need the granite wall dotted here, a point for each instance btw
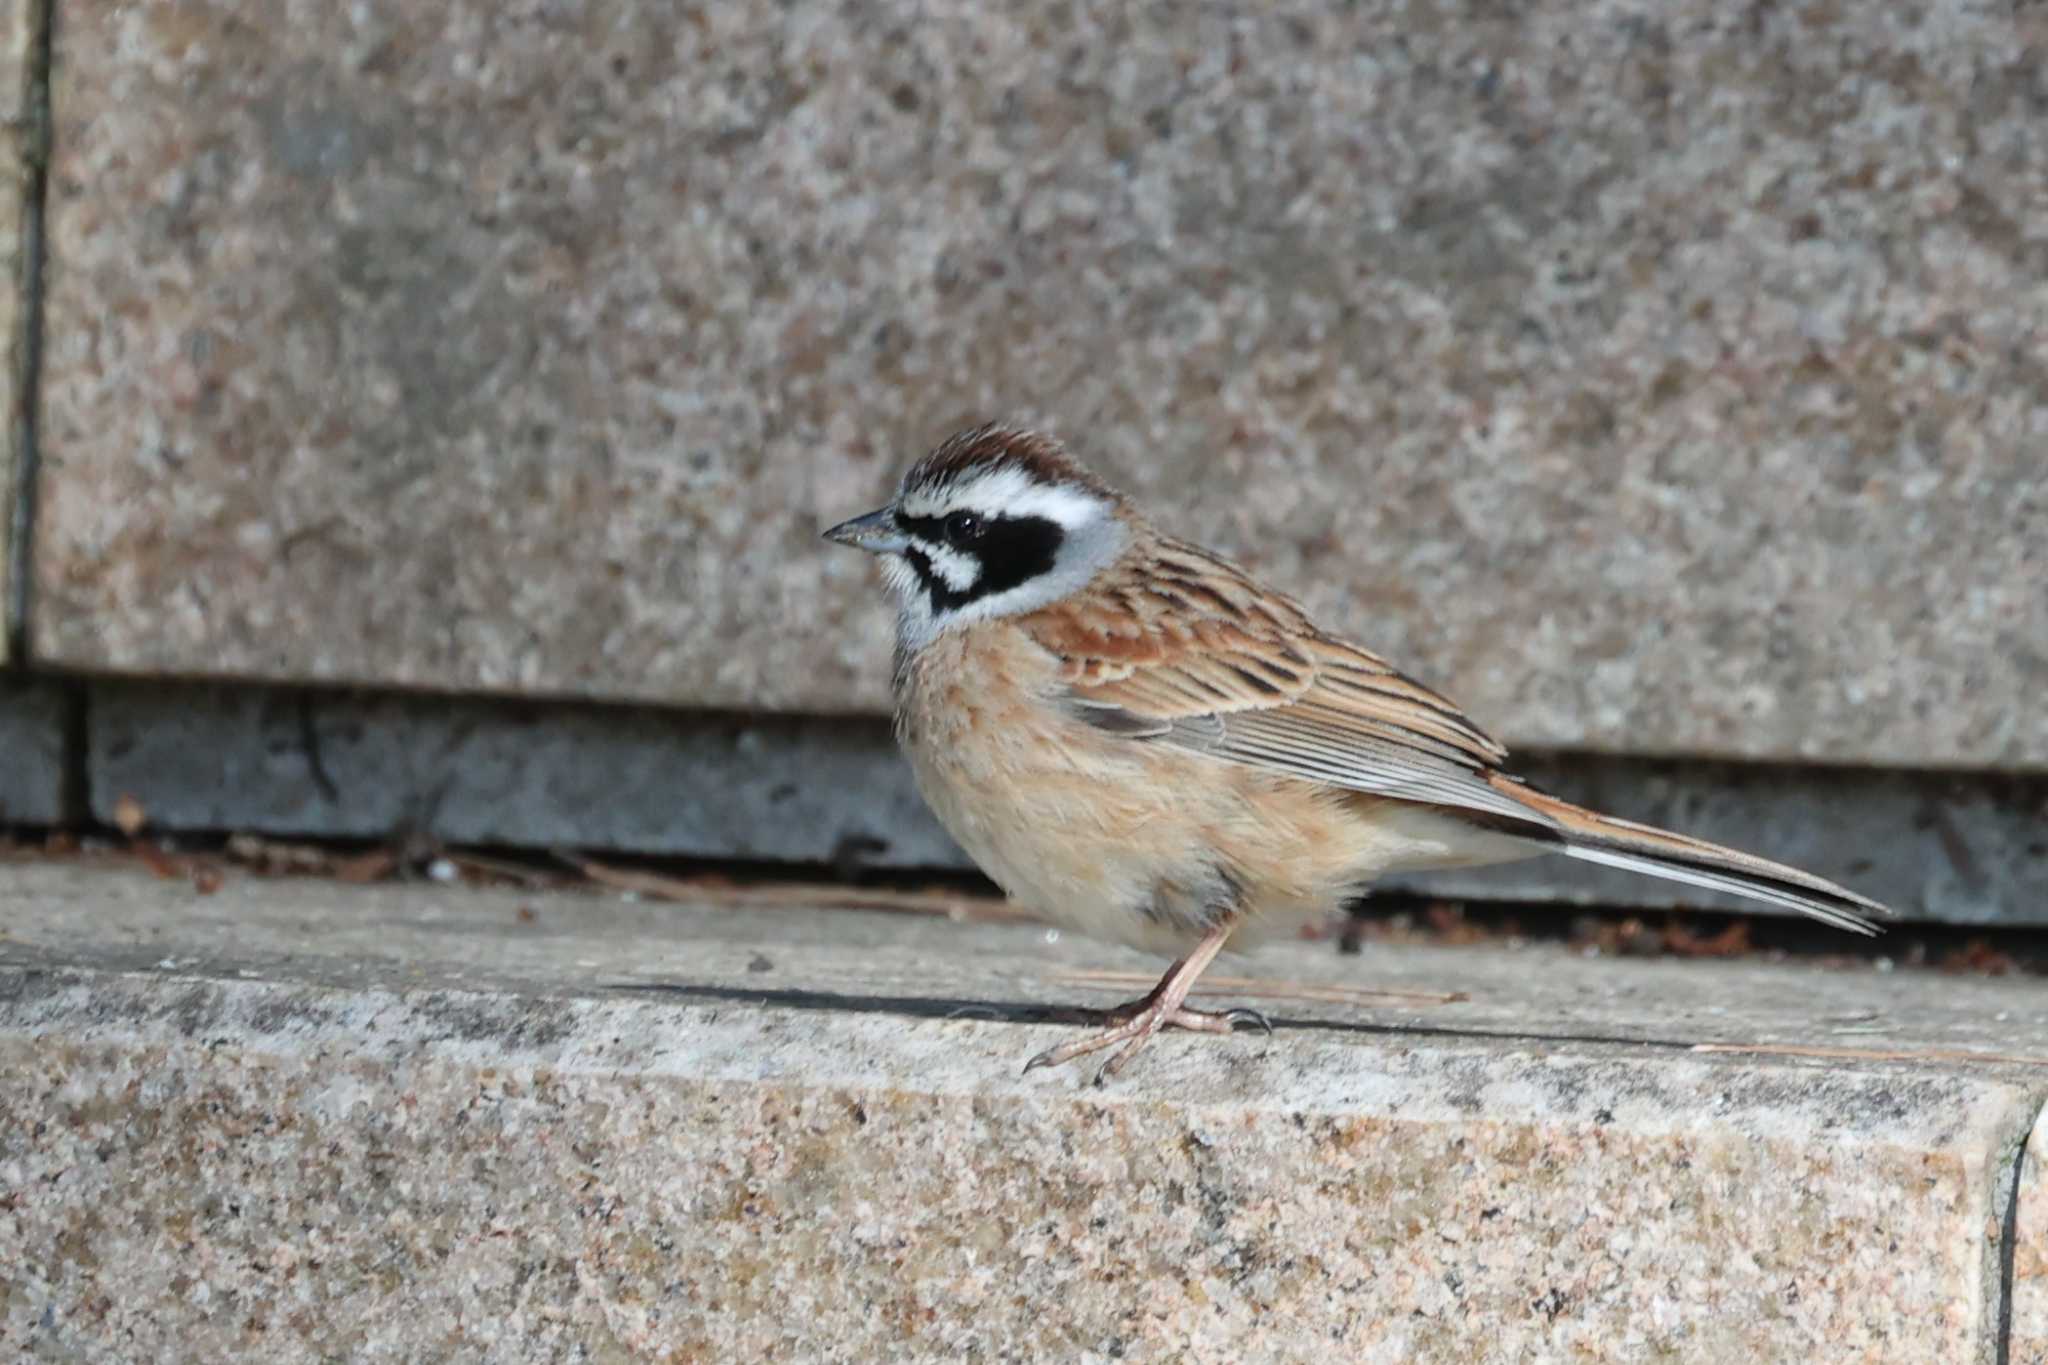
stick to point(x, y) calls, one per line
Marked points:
point(1662, 379)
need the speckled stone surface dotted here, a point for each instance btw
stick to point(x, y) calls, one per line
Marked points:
point(2029, 1330)
point(925, 964)
point(1665, 381)
point(275, 1147)
point(19, 27)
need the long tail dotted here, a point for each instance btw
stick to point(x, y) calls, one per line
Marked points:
point(1597, 838)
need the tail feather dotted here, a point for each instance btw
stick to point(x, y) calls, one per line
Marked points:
point(1595, 838)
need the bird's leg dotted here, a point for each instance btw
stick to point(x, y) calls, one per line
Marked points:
point(1134, 1023)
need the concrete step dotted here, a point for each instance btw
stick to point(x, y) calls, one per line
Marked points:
point(303, 1121)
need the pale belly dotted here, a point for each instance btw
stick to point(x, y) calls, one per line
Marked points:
point(1090, 853)
point(1152, 847)
point(1139, 842)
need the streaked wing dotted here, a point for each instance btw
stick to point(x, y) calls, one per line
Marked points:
point(1193, 654)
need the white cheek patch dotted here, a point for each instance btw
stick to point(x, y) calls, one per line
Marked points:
point(957, 571)
point(1084, 555)
point(899, 577)
point(1091, 538)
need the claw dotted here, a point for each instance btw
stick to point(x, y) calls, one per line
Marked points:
point(1244, 1015)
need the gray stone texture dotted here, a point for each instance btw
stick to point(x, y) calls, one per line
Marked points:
point(290, 1121)
point(20, 25)
point(33, 745)
point(781, 789)
point(1965, 850)
point(1663, 380)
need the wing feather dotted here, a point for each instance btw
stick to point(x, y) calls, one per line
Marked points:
point(1198, 656)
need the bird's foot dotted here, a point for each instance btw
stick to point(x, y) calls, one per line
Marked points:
point(1133, 1025)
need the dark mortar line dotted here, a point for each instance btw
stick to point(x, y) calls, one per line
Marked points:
point(74, 780)
point(2009, 1240)
point(28, 338)
point(309, 744)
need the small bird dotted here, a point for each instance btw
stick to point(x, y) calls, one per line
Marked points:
point(1137, 741)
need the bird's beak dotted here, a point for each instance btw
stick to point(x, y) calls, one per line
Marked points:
point(876, 533)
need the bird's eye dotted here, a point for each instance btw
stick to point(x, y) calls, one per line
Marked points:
point(962, 527)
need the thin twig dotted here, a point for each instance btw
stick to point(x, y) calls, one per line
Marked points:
point(526, 876)
point(777, 895)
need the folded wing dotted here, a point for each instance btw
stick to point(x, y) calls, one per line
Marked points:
point(1195, 655)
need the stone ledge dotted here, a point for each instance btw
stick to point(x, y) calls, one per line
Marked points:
point(291, 1120)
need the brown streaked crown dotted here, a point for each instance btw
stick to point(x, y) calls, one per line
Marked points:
point(993, 446)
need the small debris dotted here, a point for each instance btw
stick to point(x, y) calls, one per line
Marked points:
point(364, 868)
point(1980, 957)
point(274, 856)
point(160, 863)
point(711, 889)
point(129, 816)
point(1733, 941)
point(500, 869)
point(1447, 918)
